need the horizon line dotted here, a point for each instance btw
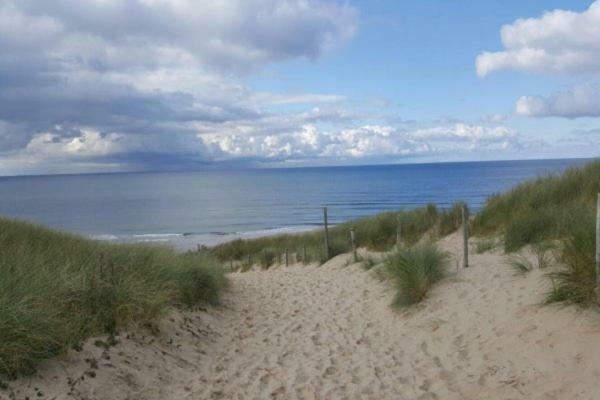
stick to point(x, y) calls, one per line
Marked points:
point(253, 168)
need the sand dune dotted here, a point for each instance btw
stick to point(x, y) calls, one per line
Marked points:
point(307, 332)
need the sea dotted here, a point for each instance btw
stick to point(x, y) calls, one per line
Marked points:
point(188, 209)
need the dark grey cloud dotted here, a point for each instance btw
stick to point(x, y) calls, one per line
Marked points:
point(231, 33)
point(137, 80)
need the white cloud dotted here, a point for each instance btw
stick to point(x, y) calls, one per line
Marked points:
point(89, 143)
point(464, 132)
point(266, 98)
point(361, 142)
point(232, 34)
point(495, 118)
point(578, 101)
point(559, 41)
point(137, 80)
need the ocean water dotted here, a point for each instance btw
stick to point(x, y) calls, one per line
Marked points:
point(185, 209)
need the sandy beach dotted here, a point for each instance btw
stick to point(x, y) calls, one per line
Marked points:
point(299, 200)
point(327, 332)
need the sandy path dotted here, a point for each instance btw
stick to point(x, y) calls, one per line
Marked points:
point(328, 333)
point(302, 332)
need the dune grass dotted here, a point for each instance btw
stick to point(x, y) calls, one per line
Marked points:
point(520, 265)
point(576, 282)
point(58, 289)
point(375, 233)
point(541, 209)
point(368, 262)
point(414, 270)
point(540, 251)
point(536, 211)
point(558, 209)
point(485, 245)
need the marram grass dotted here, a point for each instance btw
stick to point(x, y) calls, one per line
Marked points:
point(520, 265)
point(576, 282)
point(485, 245)
point(375, 233)
point(541, 209)
point(414, 270)
point(58, 289)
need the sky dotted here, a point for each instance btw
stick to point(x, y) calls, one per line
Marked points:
point(138, 85)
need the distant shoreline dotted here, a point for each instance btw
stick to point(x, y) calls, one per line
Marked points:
point(184, 210)
point(191, 241)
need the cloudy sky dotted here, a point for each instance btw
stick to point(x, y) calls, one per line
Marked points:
point(128, 85)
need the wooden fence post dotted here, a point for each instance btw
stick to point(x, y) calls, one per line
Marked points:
point(353, 242)
point(231, 265)
point(249, 261)
point(465, 224)
point(399, 232)
point(304, 259)
point(266, 259)
point(598, 240)
point(286, 257)
point(326, 232)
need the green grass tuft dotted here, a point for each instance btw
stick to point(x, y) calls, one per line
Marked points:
point(529, 227)
point(450, 220)
point(576, 283)
point(541, 209)
point(520, 265)
point(57, 289)
point(485, 245)
point(414, 270)
point(368, 262)
point(268, 258)
point(541, 250)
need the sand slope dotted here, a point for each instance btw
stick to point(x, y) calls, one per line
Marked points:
point(328, 333)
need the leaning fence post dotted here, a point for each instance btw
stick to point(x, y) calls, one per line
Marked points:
point(326, 232)
point(286, 257)
point(353, 242)
point(465, 224)
point(265, 257)
point(304, 259)
point(598, 240)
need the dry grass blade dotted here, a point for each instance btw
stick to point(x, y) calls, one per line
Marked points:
point(520, 265)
